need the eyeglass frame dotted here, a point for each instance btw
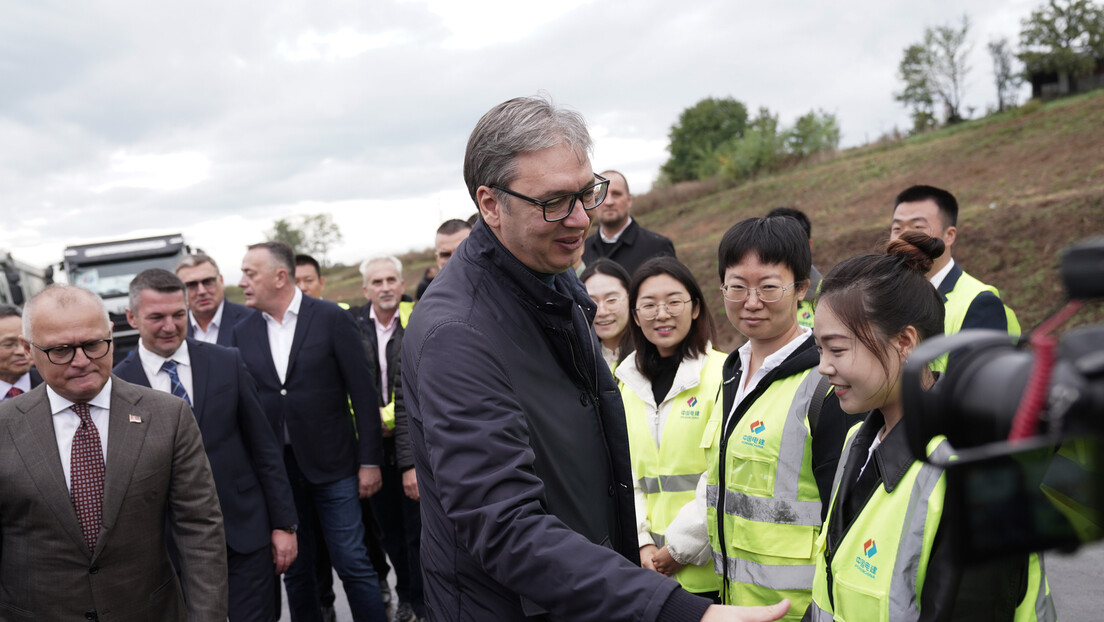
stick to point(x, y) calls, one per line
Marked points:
point(575, 197)
point(758, 294)
point(640, 310)
point(83, 347)
point(194, 285)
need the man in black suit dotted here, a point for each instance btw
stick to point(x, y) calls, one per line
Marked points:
point(619, 237)
point(211, 318)
point(246, 461)
point(16, 374)
point(307, 359)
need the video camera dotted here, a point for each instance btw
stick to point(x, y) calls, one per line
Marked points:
point(1026, 421)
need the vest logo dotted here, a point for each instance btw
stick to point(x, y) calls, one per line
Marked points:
point(691, 413)
point(754, 440)
point(870, 549)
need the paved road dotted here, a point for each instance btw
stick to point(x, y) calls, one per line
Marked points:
point(341, 604)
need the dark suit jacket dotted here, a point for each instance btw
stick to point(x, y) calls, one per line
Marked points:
point(232, 313)
point(246, 458)
point(635, 246)
point(326, 371)
point(36, 378)
point(155, 466)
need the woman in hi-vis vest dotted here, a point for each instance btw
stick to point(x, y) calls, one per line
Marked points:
point(670, 385)
point(885, 552)
point(607, 284)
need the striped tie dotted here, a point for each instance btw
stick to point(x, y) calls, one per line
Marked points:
point(174, 378)
point(86, 476)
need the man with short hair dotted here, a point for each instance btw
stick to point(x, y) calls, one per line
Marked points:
point(306, 357)
point(518, 430)
point(970, 303)
point(245, 457)
point(93, 469)
point(16, 374)
point(449, 236)
point(619, 237)
point(211, 318)
point(308, 276)
point(805, 306)
point(382, 322)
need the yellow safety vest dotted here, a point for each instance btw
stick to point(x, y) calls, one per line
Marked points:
point(879, 566)
point(388, 414)
point(669, 473)
point(771, 504)
point(958, 303)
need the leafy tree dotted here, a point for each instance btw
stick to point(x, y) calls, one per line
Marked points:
point(313, 234)
point(700, 130)
point(1064, 37)
point(935, 70)
point(759, 150)
point(1006, 79)
point(813, 133)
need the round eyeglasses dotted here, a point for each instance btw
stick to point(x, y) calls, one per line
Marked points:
point(650, 310)
point(765, 293)
point(63, 354)
point(560, 207)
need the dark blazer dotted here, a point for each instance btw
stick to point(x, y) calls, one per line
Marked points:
point(521, 452)
point(232, 313)
point(327, 370)
point(156, 469)
point(36, 378)
point(246, 458)
point(985, 311)
point(635, 246)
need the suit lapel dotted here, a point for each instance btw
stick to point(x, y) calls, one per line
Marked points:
point(255, 329)
point(36, 443)
point(124, 444)
point(302, 326)
point(200, 377)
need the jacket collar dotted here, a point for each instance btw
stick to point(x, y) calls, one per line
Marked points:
point(892, 457)
point(949, 281)
point(688, 375)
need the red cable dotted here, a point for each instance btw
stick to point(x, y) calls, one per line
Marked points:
point(1026, 422)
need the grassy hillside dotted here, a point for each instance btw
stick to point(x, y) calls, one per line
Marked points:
point(1028, 182)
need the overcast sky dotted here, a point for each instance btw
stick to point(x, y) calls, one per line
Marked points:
point(123, 118)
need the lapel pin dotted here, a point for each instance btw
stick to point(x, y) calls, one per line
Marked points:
point(135, 419)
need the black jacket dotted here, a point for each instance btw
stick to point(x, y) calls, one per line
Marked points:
point(635, 246)
point(521, 452)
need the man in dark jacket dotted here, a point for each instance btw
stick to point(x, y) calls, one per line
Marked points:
point(518, 430)
point(619, 237)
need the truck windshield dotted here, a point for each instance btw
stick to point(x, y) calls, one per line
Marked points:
point(113, 279)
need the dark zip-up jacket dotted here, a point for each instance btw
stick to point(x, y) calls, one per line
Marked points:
point(521, 452)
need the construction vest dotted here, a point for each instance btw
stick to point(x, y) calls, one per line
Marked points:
point(805, 313)
point(768, 499)
point(958, 303)
point(388, 412)
point(669, 474)
point(879, 565)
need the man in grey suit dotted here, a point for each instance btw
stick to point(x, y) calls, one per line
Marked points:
point(91, 468)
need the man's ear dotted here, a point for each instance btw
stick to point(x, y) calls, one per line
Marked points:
point(949, 236)
point(490, 208)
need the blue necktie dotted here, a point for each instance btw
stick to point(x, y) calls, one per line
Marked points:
point(174, 379)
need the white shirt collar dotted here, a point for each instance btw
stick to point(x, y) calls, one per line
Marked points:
point(59, 403)
point(937, 278)
point(617, 236)
point(293, 308)
point(23, 383)
point(215, 322)
point(152, 361)
point(375, 318)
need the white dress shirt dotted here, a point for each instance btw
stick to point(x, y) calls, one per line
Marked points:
point(383, 335)
point(211, 334)
point(23, 384)
point(158, 378)
point(66, 422)
point(617, 236)
point(281, 334)
point(937, 278)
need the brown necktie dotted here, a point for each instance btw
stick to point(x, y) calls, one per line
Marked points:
point(86, 476)
point(13, 392)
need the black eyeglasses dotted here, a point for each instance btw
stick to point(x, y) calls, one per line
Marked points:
point(558, 208)
point(63, 354)
point(207, 283)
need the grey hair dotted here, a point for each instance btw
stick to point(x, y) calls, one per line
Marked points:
point(195, 259)
point(516, 126)
point(380, 259)
point(61, 295)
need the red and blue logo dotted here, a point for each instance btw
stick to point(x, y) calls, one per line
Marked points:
point(757, 427)
point(870, 548)
point(692, 402)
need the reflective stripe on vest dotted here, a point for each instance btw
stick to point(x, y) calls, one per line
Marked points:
point(766, 510)
point(775, 577)
point(1038, 604)
point(669, 483)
